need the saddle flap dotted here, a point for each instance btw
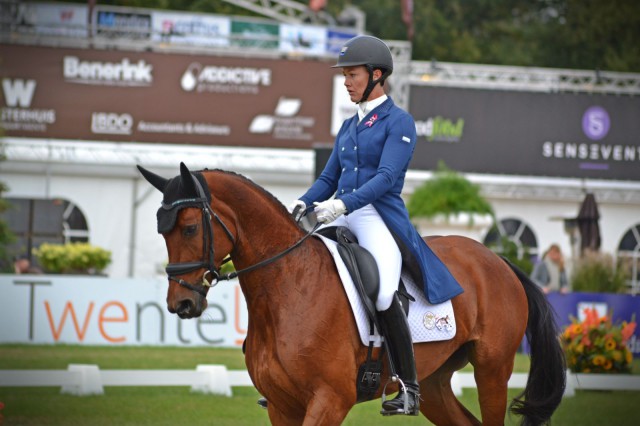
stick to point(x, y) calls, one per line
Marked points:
point(361, 266)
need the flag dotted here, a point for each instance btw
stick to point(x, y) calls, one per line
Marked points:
point(407, 16)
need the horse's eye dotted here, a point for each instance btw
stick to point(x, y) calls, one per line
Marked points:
point(190, 231)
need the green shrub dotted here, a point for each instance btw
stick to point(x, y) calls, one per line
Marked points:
point(447, 193)
point(509, 249)
point(82, 258)
point(597, 273)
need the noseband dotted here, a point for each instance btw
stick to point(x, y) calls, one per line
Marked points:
point(208, 256)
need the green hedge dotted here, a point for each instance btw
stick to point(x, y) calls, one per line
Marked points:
point(78, 258)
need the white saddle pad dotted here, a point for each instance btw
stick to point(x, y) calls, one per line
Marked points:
point(428, 323)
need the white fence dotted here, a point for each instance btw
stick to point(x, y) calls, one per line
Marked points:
point(83, 379)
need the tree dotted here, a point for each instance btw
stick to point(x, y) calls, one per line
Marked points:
point(579, 34)
point(582, 34)
point(6, 236)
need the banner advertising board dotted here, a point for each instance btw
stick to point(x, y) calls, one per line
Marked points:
point(123, 96)
point(190, 28)
point(122, 24)
point(106, 311)
point(527, 133)
point(54, 19)
point(620, 307)
point(261, 35)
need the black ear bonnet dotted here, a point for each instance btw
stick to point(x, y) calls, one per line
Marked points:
point(181, 192)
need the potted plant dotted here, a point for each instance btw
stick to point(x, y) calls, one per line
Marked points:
point(72, 258)
point(448, 204)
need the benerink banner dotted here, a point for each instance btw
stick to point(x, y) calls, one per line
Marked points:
point(122, 96)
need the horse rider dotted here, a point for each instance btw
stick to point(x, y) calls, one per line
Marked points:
point(360, 189)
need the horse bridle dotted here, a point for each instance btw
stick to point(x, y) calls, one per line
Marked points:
point(208, 256)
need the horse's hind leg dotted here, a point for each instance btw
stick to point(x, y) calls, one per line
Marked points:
point(492, 371)
point(440, 405)
point(492, 392)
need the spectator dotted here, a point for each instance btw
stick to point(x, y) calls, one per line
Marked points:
point(550, 273)
point(22, 265)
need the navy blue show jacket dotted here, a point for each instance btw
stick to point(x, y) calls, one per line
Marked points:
point(368, 165)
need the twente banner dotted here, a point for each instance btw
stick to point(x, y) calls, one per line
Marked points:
point(47, 309)
point(105, 311)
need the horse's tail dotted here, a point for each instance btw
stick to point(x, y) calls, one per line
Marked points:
point(547, 374)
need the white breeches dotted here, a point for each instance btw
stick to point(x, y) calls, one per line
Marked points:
point(372, 233)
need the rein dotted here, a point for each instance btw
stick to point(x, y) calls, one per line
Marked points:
point(175, 269)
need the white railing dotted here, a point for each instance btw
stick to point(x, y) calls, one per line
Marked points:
point(83, 379)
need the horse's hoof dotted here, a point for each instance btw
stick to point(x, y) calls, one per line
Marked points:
point(262, 402)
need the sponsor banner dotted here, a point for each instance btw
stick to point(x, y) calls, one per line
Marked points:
point(17, 114)
point(527, 133)
point(119, 23)
point(622, 307)
point(165, 98)
point(255, 34)
point(49, 19)
point(337, 39)
point(45, 309)
point(190, 28)
point(121, 73)
point(107, 311)
point(304, 39)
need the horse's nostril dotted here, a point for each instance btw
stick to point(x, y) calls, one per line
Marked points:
point(184, 307)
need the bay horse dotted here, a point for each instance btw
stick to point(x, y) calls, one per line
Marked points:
point(302, 347)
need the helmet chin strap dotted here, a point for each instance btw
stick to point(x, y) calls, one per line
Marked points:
point(372, 83)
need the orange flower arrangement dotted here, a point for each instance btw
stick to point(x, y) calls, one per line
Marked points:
point(595, 345)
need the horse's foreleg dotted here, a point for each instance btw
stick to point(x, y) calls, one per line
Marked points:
point(327, 408)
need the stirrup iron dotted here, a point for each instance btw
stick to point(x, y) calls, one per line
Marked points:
point(404, 391)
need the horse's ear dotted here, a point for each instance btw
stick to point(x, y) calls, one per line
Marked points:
point(187, 180)
point(158, 182)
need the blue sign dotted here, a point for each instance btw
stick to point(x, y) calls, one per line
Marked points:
point(336, 39)
point(621, 307)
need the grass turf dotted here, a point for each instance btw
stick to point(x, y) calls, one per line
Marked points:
point(177, 405)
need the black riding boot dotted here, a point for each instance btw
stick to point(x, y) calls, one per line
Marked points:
point(398, 336)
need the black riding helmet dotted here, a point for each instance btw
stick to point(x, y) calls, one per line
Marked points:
point(371, 52)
